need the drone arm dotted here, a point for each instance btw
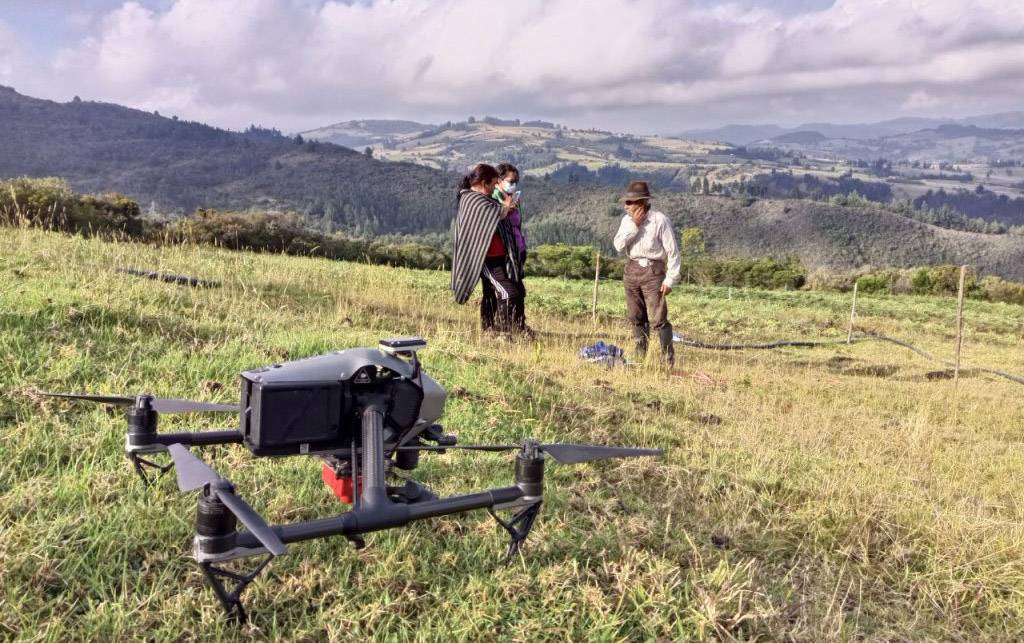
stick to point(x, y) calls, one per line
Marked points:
point(363, 521)
point(199, 438)
point(144, 439)
point(468, 502)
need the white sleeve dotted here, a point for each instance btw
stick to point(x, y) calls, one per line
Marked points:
point(626, 234)
point(672, 262)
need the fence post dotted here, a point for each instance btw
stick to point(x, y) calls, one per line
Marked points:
point(853, 314)
point(597, 279)
point(959, 324)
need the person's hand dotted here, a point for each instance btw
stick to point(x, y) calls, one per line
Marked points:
point(665, 289)
point(638, 215)
point(507, 200)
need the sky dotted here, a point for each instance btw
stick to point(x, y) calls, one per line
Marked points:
point(642, 66)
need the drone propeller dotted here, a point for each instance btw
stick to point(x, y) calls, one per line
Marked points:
point(193, 473)
point(159, 404)
point(560, 452)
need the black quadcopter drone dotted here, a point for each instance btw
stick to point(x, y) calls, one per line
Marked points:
point(364, 412)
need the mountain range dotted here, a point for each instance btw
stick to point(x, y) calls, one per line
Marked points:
point(170, 165)
point(747, 134)
point(950, 142)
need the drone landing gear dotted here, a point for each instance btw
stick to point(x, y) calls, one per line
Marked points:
point(518, 527)
point(530, 479)
point(231, 600)
point(141, 465)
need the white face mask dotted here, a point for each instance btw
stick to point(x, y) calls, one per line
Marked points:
point(509, 186)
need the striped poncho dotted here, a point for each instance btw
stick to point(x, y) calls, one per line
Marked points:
point(478, 218)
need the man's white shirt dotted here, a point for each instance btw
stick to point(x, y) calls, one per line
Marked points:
point(651, 241)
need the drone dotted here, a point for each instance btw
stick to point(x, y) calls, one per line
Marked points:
point(365, 413)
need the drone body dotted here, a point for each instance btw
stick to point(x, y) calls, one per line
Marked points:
point(363, 412)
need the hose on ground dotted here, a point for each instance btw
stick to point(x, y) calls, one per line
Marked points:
point(859, 337)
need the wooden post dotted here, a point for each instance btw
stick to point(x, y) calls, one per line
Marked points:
point(959, 324)
point(17, 208)
point(597, 279)
point(853, 314)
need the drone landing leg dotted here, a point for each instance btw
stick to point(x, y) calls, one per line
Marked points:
point(231, 601)
point(518, 527)
point(141, 464)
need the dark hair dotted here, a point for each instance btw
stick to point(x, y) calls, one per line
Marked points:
point(480, 174)
point(505, 168)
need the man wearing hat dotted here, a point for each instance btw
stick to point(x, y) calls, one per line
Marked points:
point(652, 268)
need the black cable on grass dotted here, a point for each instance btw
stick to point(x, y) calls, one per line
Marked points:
point(183, 280)
point(799, 343)
point(861, 337)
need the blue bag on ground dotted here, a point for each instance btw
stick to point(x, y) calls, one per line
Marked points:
point(601, 353)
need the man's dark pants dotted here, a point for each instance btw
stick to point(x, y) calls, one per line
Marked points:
point(646, 307)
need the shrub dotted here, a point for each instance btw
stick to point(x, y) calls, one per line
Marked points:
point(766, 273)
point(831, 281)
point(51, 203)
point(942, 280)
point(997, 289)
point(875, 283)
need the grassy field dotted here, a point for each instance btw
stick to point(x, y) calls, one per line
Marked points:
point(806, 494)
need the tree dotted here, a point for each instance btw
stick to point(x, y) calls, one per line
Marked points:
point(471, 120)
point(368, 151)
point(692, 242)
point(299, 140)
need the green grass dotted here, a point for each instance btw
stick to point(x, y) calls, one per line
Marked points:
point(801, 497)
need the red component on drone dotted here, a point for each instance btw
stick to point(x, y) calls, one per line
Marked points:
point(340, 485)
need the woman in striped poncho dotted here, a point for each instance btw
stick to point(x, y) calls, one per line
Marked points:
point(484, 249)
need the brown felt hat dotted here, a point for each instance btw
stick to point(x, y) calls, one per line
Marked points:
point(636, 190)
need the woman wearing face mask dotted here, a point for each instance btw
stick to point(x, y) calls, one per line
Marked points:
point(508, 185)
point(484, 249)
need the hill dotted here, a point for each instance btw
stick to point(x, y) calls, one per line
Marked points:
point(746, 134)
point(901, 165)
point(805, 494)
point(802, 137)
point(358, 134)
point(821, 235)
point(172, 165)
point(539, 147)
point(951, 142)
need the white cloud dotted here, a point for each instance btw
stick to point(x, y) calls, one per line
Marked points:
point(920, 100)
point(299, 62)
point(10, 52)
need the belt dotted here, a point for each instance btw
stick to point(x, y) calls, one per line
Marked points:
point(643, 262)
